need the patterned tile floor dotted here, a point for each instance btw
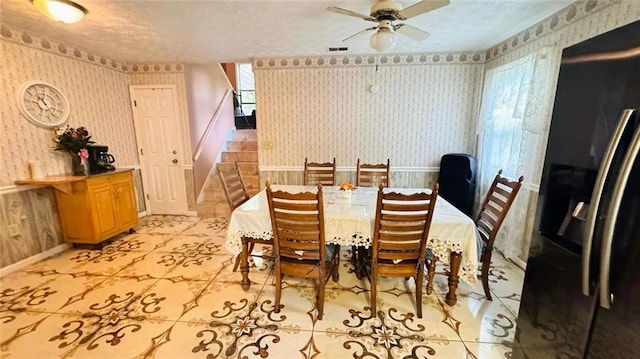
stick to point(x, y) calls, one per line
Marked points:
point(168, 291)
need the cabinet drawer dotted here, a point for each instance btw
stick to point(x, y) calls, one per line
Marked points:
point(109, 179)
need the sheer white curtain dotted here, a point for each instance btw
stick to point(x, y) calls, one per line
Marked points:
point(512, 130)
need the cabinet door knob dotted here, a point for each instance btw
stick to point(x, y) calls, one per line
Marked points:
point(175, 161)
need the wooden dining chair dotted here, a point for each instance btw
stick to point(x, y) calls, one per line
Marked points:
point(492, 212)
point(320, 173)
point(400, 236)
point(234, 189)
point(236, 193)
point(370, 175)
point(297, 221)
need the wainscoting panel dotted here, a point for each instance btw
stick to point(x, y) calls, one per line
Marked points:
point(30, 222)
point(403, 179)
point(31, 216)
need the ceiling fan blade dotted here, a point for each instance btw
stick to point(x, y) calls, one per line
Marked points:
point(411, 31)
point(421, 7)
point(342, 11)
point(359, 33)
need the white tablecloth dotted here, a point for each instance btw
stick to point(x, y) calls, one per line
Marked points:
point(350, 222)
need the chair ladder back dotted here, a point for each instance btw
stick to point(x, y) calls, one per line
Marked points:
point(400, 234)
point(493, 211)
point(233, 185)
point(495, 206)
point(402, 224)
point(320, 173)
point(373, 175)
point(297, 220)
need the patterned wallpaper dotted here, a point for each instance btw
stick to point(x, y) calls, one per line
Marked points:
point(97, 89)
point(426, 104)
point(368, 60)
point(418, 113)
point(31, 40)
point(99, 100)
point(579, 21)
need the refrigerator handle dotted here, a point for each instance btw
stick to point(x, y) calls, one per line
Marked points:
point(612, 215)
point(592, 215)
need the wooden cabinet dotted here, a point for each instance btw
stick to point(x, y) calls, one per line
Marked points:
point(98, 207)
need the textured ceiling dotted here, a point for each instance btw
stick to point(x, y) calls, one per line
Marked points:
point(236, 31)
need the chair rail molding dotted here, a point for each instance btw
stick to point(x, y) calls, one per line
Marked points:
point(349, 169)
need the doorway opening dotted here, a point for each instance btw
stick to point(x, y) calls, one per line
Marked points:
point(240, 76)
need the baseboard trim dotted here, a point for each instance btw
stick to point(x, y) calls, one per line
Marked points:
point(185, 213)
point(519, 262)
point(33, 259)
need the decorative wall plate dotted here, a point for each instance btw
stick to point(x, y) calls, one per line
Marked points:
point(43, 104)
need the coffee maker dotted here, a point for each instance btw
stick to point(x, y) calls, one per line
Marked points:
point(100, 160)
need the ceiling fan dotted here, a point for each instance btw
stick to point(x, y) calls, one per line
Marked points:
point(385, 12)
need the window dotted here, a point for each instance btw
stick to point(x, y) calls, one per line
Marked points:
point(513, 125)
point(246, 89)
point(505, 97)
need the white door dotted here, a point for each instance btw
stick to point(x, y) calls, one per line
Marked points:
point(159, 147)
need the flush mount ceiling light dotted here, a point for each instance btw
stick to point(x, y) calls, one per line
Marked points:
point(383, 39)
point(64, 11)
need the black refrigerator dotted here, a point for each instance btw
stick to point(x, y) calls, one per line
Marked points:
point(581, 294)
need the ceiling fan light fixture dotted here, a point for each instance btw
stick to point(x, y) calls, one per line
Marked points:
point(383, 39)
point(64, 11)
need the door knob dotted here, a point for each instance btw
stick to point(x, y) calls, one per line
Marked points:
point(174, 152)
point(175, 161)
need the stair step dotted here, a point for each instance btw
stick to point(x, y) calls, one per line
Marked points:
point(253, 192)
point(214, 209)
point(214, 191)
point(246, 168)
point(215, 195)
point(251, 181)
point(242, 145)
point(243, 150)
point(251, 135)
point(240, 156)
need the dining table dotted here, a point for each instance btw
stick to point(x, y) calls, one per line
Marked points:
point(350, 222)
